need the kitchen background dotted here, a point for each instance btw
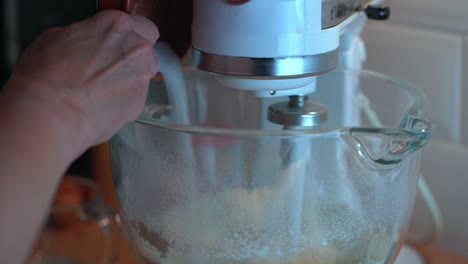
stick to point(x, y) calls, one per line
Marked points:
point(425, 42)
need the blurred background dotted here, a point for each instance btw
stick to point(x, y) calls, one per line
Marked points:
point(425, 42)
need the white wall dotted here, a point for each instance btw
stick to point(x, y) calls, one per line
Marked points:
point(426, 43)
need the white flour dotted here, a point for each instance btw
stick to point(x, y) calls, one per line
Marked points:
point(265, 225)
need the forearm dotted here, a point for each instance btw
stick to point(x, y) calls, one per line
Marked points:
point(74, 87)
point(33, 157)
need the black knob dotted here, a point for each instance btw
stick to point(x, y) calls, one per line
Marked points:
point(377, 12)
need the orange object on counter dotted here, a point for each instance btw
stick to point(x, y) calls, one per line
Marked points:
point(68, 193)
point(433, 255)
point(101, 172)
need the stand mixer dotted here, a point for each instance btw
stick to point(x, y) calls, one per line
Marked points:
point(277, 48)
point(263, 153)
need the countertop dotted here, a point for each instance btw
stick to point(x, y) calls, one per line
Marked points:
point(431, 255)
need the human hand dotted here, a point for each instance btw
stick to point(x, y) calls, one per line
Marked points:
point(88, 79)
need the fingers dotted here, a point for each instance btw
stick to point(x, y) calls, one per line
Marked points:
point(133, 31)
point(147, 30)
point(154, 64)
point(149, 63)
point(122, 22)
point(144, 27)
point(127, 40)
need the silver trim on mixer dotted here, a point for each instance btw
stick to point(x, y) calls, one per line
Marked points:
point(279, 67)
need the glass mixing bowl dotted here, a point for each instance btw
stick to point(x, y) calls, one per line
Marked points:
point(208, 179)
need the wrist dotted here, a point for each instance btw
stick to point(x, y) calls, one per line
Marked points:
point(46, 118)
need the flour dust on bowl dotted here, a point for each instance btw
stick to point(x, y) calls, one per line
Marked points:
point(217, 181)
